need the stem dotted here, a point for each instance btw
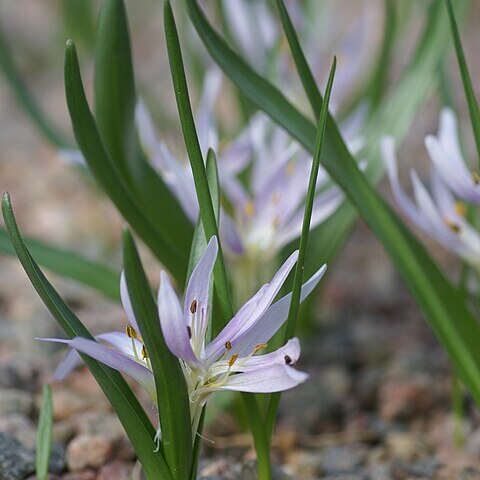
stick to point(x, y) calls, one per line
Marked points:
point(260, 439)
point(458, 412)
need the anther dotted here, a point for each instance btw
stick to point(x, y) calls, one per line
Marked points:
point(453, 226)
point(189, 331)
point(232, 360)
point(288, 359)
point(259, 347)
point(460, 208)
point(131, 332)
point(144, 352)
point(193, 306)
point(228, 345)
point(476, 178)
point(249, 208)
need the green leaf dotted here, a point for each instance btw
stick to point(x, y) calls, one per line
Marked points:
point(70, 265)
point(129, 411)
point(304, 72)
point(105, 171)
point(393, 117)
point(115, 100)
point(466, 79)
point(44, 434)
point(26, 99)
point(199, 242)
point(443, 305)
point(307, 216)
point(207, 212)
point(115, 95)
point(172, 395)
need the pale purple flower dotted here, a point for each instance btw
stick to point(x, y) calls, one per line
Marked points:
point(440, 212)
point(264, 216)
point(229, 361)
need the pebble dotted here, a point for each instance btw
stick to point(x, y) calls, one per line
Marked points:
point(85, 475)
point(304, 464)
point(406, 398)
point(343, 459)
point(15, 401)
point(405, 445)
point(88, 451)
point(116, 470)
point(93, 423)
point(20, 427)
point(18, 374)
point(16, 461)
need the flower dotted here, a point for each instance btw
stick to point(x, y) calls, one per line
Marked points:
point(229, 361)
point(441, 214)
point(263, 216)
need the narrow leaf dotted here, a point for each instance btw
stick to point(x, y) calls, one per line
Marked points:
point(207, 211)
point(26, 99)
point(115, 95)
point(129, 411)
point(69, 264)
point(172, 395)
point(44, 434)
point(299, 268)
point(106, 172)
point(304, 72)
point(466, 79)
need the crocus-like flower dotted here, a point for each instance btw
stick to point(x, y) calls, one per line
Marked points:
point(229, 361)
point(441, 213)
point(266, 215)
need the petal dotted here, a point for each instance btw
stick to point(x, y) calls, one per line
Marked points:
point(146, 129)
point(112, 358)
point(68, 364)
point(324, 205)
point(127, 304)
point(275, 378)
point(71, 157)
point(270, 322)
point(198, 287)
point(173, 324)
point(286, 355)
point(246, 317)
point(229, 234)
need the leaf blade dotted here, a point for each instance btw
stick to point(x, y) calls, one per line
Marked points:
point(44, 434)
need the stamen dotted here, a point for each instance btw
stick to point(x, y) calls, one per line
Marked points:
point(131, 332)
point(259, 347)
point(232, 360)
point(453, 226)
point(228, 345)
point(288, 360)
point(249, 208)
point(193, 307)
point(289, 169)
point(476, 177)
point(189, 330)
point(144, 352)
point(460, 208)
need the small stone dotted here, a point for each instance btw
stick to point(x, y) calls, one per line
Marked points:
point(403, 399)
point(304, 464)
point(116, 470)
point(88, 451)
point(93, 423)
point(469, 473)
point(405, 446)
point(343, 459)
point(57, 459)
point(18, 374)
point(67, 403)
point(20, 427)
point(15, 401)
point(85, 475)
point(16, 461)
point(63, 431)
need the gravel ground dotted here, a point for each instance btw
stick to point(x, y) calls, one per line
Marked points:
point(377, 406)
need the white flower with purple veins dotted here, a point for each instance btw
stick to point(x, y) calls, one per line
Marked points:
point(229, 361)
point(441, 212)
